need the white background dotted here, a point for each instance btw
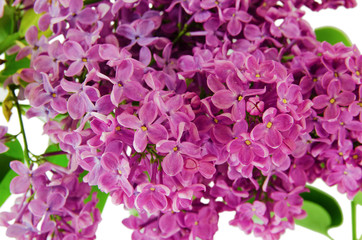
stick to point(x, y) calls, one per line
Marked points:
point(111, 228)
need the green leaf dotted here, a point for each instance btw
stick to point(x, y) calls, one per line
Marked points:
point(323, 211)
point(30, 18)
point(60, 160)
point(332, 35)
point(15, 152)
point(8, 42)
point(12, 66)
point(5, 186)
point(6, 23)
point(358, 198)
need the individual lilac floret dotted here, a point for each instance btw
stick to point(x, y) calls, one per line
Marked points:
point(271, 127)
point(151, 197)
point(333, 101)
point(144, 126)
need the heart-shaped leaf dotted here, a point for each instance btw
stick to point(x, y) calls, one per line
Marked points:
point(332, 35)
point(323, 211)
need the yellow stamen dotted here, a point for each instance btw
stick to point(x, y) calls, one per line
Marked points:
point(332, 100)
point(336, 75)
point(152, 189)
point(284, 100)
point(257, 75)
point(358, 73)
point(196, 223)
point(120, 85)
point(119, 172)
point(355, 156)
point(315, 79)
point(54, 95)
point(144, 128)
point(341, 123)
point(359, 104)
point(340, 153)
point(215, 120)
point(269, 124)
point(118, 128)
point(175, 149)
point(84, 60)
point(240, 98)
point(247, 142)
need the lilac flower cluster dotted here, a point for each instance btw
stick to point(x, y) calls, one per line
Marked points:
point(51, 204)
point(185, 109)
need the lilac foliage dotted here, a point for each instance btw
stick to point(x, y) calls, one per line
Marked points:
point(183, 110)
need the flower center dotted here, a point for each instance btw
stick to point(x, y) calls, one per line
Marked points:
point(359, 104)
point(355, 156)
point(144, 128)
point(175, 149)
point(118, 128)
point(269, 124)
point(120, 85)
point(358, 73)
point(54, 95)
point(152, 189)
point(247, 142)
point(257, 75)
point(341, 123)
point(240, 98)
point(332, 100)
point(315, 79)
point(84, 60)
point(336, 75)
point(284, 100)
point(215, 120)
point(119, 172)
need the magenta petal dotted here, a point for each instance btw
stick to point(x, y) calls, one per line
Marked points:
point(76, 106)
point(19, 184)
point(283, 122)
point(320, 101)
point(126, 186)
point(87, 16)
point(334, 87)
point(55, 201)
point(252, 32)
point(148, 113)
point(109, 161)
point(19, 168)
point(140, 140)
point(16, 230)
point(332, 111)
point(173, 163)
point(31, 35)
point(207, 169)
point(129, 121)
point(223, 99)
point(126, 31)
point(345, 98)
point(190, 149)
point(156, 133)
point(258, 131)
point(234, 26)
point(125, 70)
point(37, 207)
point(109, 52)
point(74, 68)
point(73, 50)
point(273, 138)
point(165, 146)
point(281, 209)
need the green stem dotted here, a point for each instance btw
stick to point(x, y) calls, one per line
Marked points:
point(22, 129)
point(354, 220)
point(180, 34)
